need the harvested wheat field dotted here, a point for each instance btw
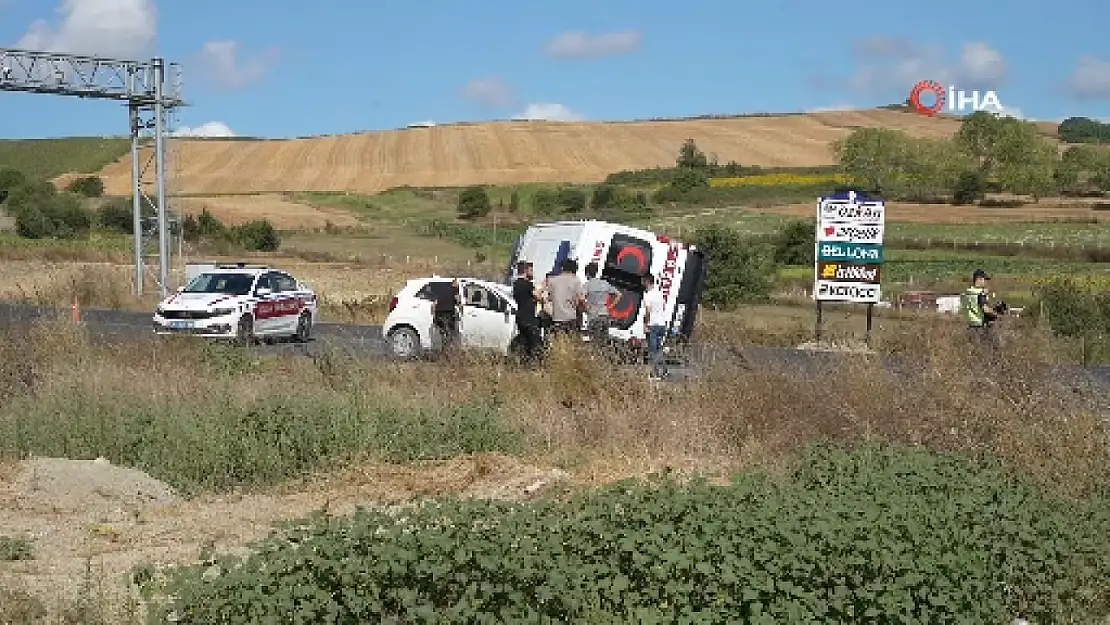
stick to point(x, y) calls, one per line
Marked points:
point(506, 152)
point(282, 213)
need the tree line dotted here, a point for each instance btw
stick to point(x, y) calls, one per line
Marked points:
point(989, 153)
point(1084, 130)
point(42, 211)
point(604, 199)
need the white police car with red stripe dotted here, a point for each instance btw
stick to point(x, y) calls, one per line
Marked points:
point(239, 301)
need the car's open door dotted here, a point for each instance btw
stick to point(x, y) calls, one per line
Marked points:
point(483, 319)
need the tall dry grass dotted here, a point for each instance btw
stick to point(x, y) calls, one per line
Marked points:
point(349, 292)
point(216, 418)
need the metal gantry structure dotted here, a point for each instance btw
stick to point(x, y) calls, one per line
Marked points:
point(151, 90)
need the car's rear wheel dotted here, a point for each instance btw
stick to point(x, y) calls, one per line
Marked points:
point(304, 328)
point(404, 343)
point(245, 333)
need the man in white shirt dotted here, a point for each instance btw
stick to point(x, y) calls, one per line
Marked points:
point(655, 325)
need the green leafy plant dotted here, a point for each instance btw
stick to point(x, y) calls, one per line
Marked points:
point(87, 186)
point(876, 534)
point(474, 202)
point(13, 548)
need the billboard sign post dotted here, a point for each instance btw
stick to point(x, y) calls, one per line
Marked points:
point(848, 252)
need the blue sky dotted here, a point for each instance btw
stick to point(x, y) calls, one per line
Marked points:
point(285, 68)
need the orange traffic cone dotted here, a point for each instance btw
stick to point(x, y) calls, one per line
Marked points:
point(75, 312)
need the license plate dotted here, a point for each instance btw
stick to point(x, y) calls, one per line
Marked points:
point(181, 325)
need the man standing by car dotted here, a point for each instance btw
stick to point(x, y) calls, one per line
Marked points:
point(446, 316)
point(655, 325)
point(527, 323)
point(598, 292)
point(567, 297)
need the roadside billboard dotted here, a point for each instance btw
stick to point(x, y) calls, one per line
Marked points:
point(849, 249)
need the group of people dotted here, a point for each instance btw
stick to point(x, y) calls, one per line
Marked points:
point(558, 303)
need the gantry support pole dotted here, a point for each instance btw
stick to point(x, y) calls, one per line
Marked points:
point(160, 174)
point(137, 197)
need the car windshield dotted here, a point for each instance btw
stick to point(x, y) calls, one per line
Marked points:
point(230, 283)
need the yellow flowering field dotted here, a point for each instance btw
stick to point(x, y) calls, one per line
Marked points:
point(782, 179)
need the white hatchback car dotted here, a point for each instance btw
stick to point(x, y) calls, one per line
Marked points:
point(487, 316)
point(239, 301)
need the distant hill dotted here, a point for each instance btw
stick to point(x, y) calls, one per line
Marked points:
point(504, 152)
point(507, 152)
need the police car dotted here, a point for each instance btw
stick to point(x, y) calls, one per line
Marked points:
point(239, 301)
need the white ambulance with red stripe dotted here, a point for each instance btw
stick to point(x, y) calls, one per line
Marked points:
point(624, 255)
point(239, 301)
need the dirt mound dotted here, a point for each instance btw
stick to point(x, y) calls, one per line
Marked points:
point(85, 486)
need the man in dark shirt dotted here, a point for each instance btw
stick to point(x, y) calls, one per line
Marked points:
point(446, 316)
point(527, 323)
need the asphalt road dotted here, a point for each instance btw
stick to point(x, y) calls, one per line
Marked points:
point(366, 341)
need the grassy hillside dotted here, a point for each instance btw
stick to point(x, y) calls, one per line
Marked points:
point(49, 158)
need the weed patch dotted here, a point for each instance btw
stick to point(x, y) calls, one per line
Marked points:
point(875, 534)
point(15, 548)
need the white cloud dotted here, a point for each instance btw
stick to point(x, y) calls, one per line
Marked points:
point(112, 28)
point(891, 66)
point(220, 61)
point(1091, 78)
point(209, 129)
point(489, 92)
point(1007, 111)
point(577, 44)
point(549, 112)
point(832, 109)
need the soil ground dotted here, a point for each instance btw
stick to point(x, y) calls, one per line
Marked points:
point(90, 523)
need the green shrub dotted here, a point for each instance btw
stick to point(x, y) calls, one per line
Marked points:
point(41, 212)
point(117, 214)
point(795, 243)
point(572, 200)
point(742, 270)
point(880, 535)
point(258, 235)
point(970, 187)
point(474, 202)
point(604, 196)
point(10, 179)
point(88, 186)
point(545, 202)
point(14, 548)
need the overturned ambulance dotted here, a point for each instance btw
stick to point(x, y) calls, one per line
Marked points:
point(624, 255)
